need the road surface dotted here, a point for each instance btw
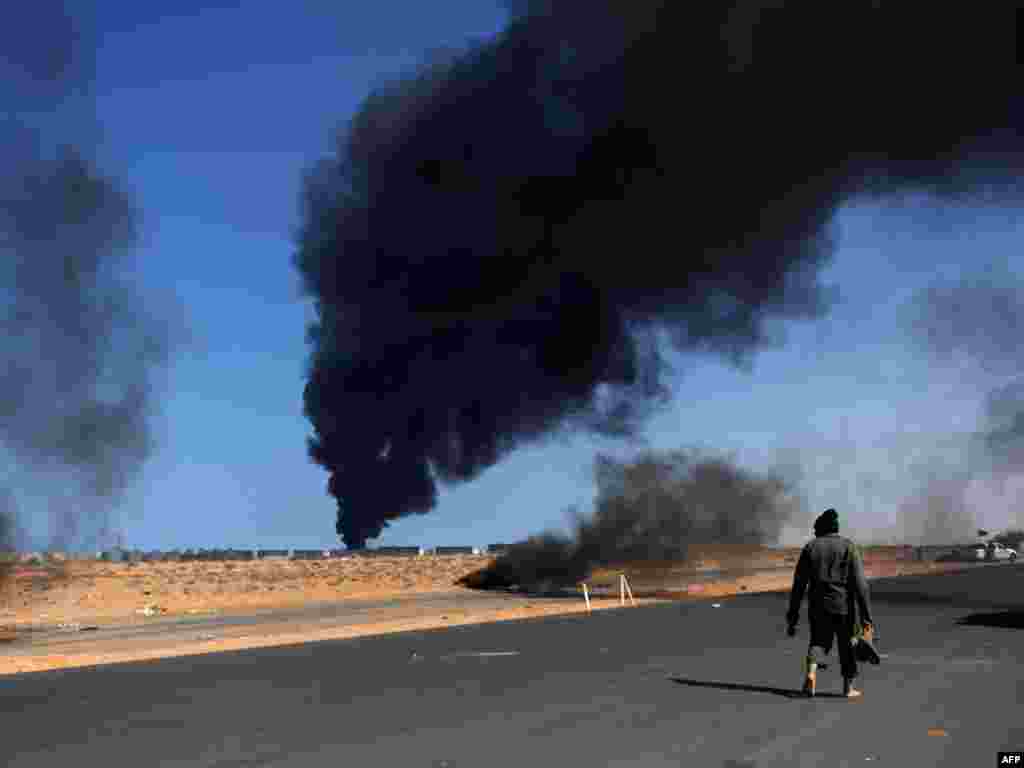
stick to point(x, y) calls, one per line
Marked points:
point(168, 631)
point(667, 685)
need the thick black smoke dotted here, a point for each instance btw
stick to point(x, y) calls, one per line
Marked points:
point(9, 538)
point(10, 535)
point(497, 241)
point(80, 346)
point(653, 509)
point(976, 323)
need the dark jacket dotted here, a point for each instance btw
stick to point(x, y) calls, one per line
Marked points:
point(831, 570)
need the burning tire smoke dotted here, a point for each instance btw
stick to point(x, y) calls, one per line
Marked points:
point(652, 509)
point(498, 241)
point(80, 347)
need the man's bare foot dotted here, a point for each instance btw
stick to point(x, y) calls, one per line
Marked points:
point(849, 691)
point(809, 686)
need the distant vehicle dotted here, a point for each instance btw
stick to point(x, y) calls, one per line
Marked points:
point(992, 552)
point(996, 551)
point(987, 552)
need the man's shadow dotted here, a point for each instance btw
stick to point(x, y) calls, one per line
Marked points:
point(784, 692)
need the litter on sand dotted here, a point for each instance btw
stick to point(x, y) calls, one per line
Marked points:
point(76, 627)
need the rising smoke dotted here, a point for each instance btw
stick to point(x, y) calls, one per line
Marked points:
point(80, 349)
point(653, 508)
point(975, 323)
point(499, 239)
point(10, 536)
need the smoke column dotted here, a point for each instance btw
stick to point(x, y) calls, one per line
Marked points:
point(10, 536)
point(977, 322)
point(979, 319)
point(652, 509)
point(79, 346)
point(498, 241)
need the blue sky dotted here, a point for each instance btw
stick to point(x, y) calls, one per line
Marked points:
point(211, 117)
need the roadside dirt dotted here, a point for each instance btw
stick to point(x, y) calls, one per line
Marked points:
point(107, 592)
point(103, 594)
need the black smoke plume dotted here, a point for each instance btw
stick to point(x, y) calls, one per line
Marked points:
point(10, 536)
point(9, 544)
point(80, 346)
point(654, 508)
point(499, 241)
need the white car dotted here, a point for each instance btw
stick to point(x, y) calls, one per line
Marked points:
point(994, 551)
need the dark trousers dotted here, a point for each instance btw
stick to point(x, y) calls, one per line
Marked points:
point(826, 627)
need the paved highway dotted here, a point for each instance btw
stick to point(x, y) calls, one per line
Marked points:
point(667, 685)
point(160, 632)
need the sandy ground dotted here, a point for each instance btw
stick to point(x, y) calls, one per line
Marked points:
point(110, 595)
point(107, 592)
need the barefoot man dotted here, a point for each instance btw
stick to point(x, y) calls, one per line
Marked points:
point(830, 569)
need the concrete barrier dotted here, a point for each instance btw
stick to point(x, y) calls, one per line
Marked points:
point(196, 555)
point(272, 554)
point(310, 554)
point(233, 554)
point(390, 552)
point(410, 551)
point(456, 551)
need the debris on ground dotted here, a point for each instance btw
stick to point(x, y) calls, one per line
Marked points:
point(74, 626)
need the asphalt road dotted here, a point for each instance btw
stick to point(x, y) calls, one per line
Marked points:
point(160, 632)
point(667, 685)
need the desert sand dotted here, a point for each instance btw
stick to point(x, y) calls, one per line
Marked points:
point(82, 594)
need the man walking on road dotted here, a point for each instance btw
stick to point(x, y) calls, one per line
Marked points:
point(830, 569)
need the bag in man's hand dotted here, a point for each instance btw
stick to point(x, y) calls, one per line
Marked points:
point(864, 645)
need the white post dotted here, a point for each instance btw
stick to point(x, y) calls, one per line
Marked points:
point(625, 583)
point(586, 596)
